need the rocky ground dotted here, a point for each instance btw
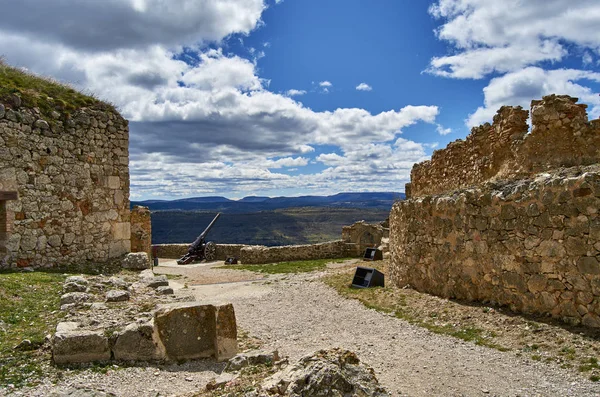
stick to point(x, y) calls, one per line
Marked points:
point(299, 314)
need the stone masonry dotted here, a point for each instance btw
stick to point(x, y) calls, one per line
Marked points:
point(525, 233)
point(141, 230)
point(72, 177)
point(561, 136)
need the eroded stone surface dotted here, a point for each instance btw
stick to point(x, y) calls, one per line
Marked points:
point(71, 344)
point(138, 342)
point(334, 372)
point(136, 261)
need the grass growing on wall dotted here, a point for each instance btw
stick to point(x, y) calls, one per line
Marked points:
point(288, 267)
point(29, 309)
point(45, 94)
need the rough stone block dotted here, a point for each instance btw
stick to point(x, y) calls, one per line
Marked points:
point(138, 342)
point(73, 345)
point(121, 230)
point(117, 295)
point(113, 182)
point(136, 261)
point(187, 330)
point(74, 298)
point(226, 345)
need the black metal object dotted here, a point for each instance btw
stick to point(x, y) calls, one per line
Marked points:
point(231, 260)
point(200, 249)
point(373, 254)
point(366, 277)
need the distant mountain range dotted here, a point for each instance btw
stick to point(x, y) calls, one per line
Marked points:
point(375, 200)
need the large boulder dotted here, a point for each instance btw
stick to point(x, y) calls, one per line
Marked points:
point(136, 261)
point(333, 372)
point(72, 344)
point(194, 330)
point(138, 342)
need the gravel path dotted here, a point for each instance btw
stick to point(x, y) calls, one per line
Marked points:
point(301, 315)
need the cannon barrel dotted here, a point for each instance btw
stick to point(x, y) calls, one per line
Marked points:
point(201, 237)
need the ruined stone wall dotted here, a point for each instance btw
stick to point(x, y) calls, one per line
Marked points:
point(531, 244)
point(256, 254)
point(328, 250)
point(561, 136)
point(176, 251)
point(141, 230)
point(72, 177)
point(364, 235)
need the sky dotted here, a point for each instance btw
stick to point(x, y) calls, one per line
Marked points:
point(293, 97)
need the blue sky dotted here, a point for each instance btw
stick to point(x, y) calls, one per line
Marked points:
point(265, 97)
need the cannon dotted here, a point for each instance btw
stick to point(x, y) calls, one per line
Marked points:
point(200, 249)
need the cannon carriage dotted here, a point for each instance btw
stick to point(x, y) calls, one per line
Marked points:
point(200, 249)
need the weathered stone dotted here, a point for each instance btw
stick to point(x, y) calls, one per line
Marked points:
point(118, 282)
point(220, 381)
point(591, 320)
point(136, 261)
point(333, 372)
point(71, 344)
point(138, 342)
point(164, 290)
point(194, 330)
point(117, 295)
point(74, 298)
point(226, 345)
point(158, 281)
point(588, 265)
point(75, 284)
point(254, 357)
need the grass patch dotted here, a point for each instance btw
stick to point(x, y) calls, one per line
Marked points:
point(45, 94)
point(29, 305)
point(288, 267)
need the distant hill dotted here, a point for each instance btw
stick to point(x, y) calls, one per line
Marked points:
point(375, 200)
point(280, 227)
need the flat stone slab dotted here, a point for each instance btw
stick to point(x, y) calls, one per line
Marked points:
point(71, 344)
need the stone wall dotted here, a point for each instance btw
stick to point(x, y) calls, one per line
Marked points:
point(72, 177)
point(257, 254)
point(328, 250)
point(531, 244)
point(141, 230)
point(176, 251)
point(561, 136)
point(364, 235)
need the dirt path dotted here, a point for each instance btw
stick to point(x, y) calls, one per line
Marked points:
point(299, 315)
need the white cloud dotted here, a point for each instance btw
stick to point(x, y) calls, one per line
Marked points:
point(519, 88)
point(210, 124)
point(587, 59)
point(509, 35)
point(294, 92)
point(443, 131)
point(91, 26)
point(286, 162)
point(364, 87)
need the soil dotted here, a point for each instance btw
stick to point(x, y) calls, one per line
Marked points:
point(299, 314)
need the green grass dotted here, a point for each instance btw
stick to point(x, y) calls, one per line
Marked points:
point(27, 303)
point(288, 267)
point(45, 94)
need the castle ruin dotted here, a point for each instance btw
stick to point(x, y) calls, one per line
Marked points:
point(509, 216)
